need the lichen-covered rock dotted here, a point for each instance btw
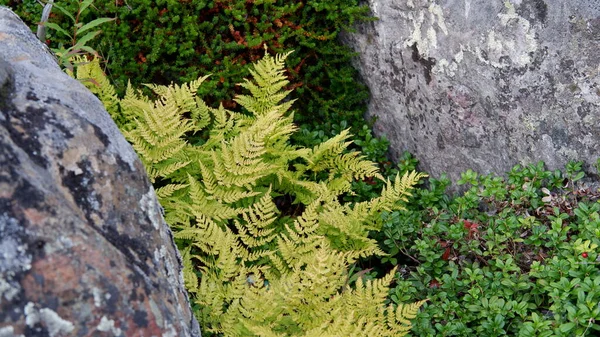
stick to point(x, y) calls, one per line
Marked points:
point(484, 84)
point(84, 250)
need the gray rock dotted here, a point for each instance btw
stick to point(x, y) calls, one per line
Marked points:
point(84, 250)
point(484, 84)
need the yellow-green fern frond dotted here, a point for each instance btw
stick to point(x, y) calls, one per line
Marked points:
point(189, 272)
point(368, 296)
point(392, 196)
point(184, 97)
point(223, 127)
point(329, 149)
point(267, 238)
point(257, 229)
point(200, 204)
point(168, 190)
point(158, 135)
point(91, 75)
point(331, 155)
point(215, 188)
point(134, 102)
point(268, 74)
point(346, 233)
point(400, 319)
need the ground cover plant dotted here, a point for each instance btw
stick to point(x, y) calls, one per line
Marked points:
point(515, 255)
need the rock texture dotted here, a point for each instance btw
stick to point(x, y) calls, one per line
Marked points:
point(484, 84)
point(84, 250)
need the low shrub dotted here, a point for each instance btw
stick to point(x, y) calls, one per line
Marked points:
point(178, 41)
point(511, 256)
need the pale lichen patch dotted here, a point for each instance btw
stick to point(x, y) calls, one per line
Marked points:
point(171, 332)
point(49, 318)
point(158, 317)
point(426, 24)
point(55, 324)
point(161, 257)
point(13, 253)
point(467, 8)
point(32, 316)
point(108, 325)
point(438, 13)
point(7, 291)
point(515, 40)
point(8, 331)
point(449, 68)
point(98, 300)
point(150, 206)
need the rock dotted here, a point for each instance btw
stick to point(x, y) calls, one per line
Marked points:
point(484, 84)
point(84, 249)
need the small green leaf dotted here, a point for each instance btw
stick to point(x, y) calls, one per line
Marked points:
point(566, 327)
point(81, 42)
point(57, 28)
point(65, 12)
point(84, 5)
point(474, 308)
point(89, 50)
point(93, 24)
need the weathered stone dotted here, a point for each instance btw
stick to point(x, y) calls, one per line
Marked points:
point(84, 250)
point(484, 84)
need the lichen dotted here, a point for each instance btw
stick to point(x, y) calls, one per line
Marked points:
point(161, 257)
point(98, 298)
point(170, 331)
point(7, 291)
point(8, 331)
point(517, 40)
point(55, 324)
point(108, 325)
point(13, 252)
point(32, 316)
point(150, 206)
point(425, 21)
point(158, 317)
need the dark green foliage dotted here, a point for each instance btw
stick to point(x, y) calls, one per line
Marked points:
point(164, 41)
point(30, 11)
point(513, 256)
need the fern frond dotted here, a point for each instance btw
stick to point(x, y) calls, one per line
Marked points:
point(399, 319)
point(392, 197)
point(268, 74)
point(223, 127)
point(158, 135)
point(168, 190)
point(201, 205)
point(183, 97)
point(91, 75)
point(189, 274)
point(256, 264)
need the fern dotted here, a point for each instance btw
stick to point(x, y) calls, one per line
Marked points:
point(255, 268)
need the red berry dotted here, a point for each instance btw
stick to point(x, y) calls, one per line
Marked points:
point(584, 255)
